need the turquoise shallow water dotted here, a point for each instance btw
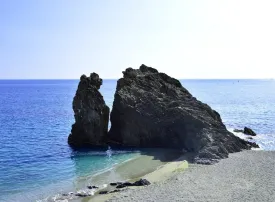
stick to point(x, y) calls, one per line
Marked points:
point(36, 118)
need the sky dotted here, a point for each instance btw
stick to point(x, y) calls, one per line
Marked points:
point(63, 39)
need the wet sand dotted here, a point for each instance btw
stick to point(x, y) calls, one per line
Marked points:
point(244, 176)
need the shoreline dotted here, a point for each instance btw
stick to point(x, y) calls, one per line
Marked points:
point(160, 174)
point(166, 163)
point(127, 171)
point(244, 176)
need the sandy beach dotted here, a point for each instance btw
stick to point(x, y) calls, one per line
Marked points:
point(244, 176)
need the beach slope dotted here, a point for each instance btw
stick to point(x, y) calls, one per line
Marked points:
point(244, 176)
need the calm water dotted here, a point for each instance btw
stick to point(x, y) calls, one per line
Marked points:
point(36, 118)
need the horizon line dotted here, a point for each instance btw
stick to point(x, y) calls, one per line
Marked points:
point(2, 79)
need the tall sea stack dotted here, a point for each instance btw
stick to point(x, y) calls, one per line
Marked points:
point(152, 109)
point(91, 114)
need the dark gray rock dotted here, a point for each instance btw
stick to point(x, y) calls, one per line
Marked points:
point(92, 187)
point(82, 194)
point(253, 144)
point(128, 184)
point(142, 182)
point(249, 131)
point(152, 109)
point(238, 131)
point(115, 191)
point(90, 112)
point(246, 131)
point(115, 183)
point(103, 192)
point(125, 184)
point(120, 186)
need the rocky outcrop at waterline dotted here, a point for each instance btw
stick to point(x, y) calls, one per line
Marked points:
point(152, 109)
point(238, 130)
point(90, 112)
point(141, 182)
point(249, 131)
point(246, 131)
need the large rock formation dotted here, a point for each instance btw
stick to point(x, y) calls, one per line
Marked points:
point(151, 109)
point(90, 112)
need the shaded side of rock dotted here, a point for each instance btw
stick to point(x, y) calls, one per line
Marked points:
point(125, 184)
point(90, 112)
point(120, 186)
point(249, 131)
point(142, 182)
point(255, 145)
point(152, 109)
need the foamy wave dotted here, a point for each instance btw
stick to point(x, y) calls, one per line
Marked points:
point(265, 141)
point(112, 167)
point(240, 135)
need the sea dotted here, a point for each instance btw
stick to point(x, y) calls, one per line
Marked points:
point(37, 164)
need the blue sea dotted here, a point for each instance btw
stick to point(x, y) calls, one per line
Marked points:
point(36, 117)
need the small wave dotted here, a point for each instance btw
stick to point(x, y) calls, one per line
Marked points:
point(103, 153)
point(240, 135)
point(61, 197)
point(112, 167)
point(265, 141)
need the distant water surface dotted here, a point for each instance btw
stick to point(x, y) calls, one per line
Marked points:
point(36, 118)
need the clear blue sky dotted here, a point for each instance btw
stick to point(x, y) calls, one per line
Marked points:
point(47, 39)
